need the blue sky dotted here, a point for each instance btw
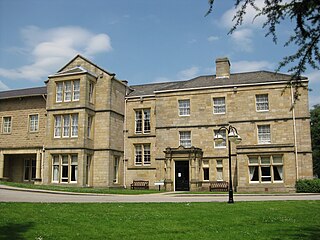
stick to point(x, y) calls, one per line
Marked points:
point(142, 41)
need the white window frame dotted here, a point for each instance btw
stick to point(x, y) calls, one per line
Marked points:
point(264, 134)
point(184, 107)
point(33, 123)
point(68, 91)
point(262, 102)
point(219, 106)
point(116, 162)
point(89, 127)
point(219, 169)
point(66, 129)
point(185, 139)
point(76, 90)
point(91, 91)
point(7, 125)
point(258, 164)
point(59, 92)
point(58, 164)
point(143, 153)
point(143, 119)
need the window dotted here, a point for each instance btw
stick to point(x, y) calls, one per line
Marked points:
point(6, 125)
point(205, 168)
point(264, 135)
point(65, 168)
point(223, 144)
point(66, 125)
point(74, 125)
point(59, 91)
point(184, 107)
point(91, 86)
point(29, 169)
point(265, 168)
point(89, 130)
point(142, 121)
point(142, 154)
point(262, 102)
point(116, 169)
point(76, 90)
point(34, 123)
point(185, 139)
point(219, 170)
point(63, 125)
point(219, 105)
point(68, 91)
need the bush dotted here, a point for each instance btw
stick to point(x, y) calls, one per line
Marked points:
point(308, 186)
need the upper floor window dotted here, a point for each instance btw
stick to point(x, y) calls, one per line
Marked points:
point(142, 121)
point(219, 105)
point(262, 102)
point(67, 91)
point(66, 125)
point(6, 125)
point(185, 139)
point(264, 134)
point(223, 144)
point(34, 123)
point(90, 89)
point(184, 107)
point(142, 154)
point(89, 129)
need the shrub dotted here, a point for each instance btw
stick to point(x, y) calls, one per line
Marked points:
point(308, 186)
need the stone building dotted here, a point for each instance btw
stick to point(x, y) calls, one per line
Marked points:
point(87, 128)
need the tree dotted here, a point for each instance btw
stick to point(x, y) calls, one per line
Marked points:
point(306, 33)
point(315, 137)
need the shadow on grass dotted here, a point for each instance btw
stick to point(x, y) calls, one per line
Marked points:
point(14, 231)
point(308, 233)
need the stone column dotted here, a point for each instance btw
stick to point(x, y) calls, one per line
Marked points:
point(1, 164)
point(38, 166)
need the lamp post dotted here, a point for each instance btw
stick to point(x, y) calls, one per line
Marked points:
point(234, 137)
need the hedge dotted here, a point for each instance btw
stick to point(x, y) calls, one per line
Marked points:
point(308, 186)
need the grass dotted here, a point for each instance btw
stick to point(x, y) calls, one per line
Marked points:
point(243, 220)
point(80, 189)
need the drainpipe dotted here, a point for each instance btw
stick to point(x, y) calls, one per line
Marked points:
point(124, 143)
point(294, 133)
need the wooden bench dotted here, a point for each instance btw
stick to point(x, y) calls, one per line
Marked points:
point(140, 184)
point(219, 186)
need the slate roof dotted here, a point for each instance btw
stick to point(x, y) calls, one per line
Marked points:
point(27, 92)
point(236, 79)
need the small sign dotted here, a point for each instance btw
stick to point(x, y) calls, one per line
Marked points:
point(179, 174)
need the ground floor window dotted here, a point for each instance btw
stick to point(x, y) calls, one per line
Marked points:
point(205, 167)
point(116, 169)
point(219, 170)
point(268, 168)
point(65, 168)
point(29, 169)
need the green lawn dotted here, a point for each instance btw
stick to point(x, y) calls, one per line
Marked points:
point(242, 220)
point(80, 189)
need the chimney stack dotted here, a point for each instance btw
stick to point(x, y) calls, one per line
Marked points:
point(222, 68)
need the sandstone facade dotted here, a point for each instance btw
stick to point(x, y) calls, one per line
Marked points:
point(94, 130)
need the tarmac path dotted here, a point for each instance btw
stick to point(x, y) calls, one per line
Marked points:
point(11, 194)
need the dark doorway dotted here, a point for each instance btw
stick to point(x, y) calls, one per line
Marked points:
point(182, 176)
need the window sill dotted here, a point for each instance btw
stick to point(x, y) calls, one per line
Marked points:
point(138, 135)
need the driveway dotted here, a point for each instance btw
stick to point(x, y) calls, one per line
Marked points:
point(11, 194)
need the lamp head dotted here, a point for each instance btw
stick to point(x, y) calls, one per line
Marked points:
point(218, 138)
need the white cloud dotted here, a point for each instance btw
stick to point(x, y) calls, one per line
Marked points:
point(248, 66)
point(314, 77)
point(249, 19)
point(243, 40)
point(213, 38)
point(188, 73)
point(3, 87)
point(185, 74)
point(51, 48)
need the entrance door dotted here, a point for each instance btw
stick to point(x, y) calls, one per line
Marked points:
point(182, 176)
